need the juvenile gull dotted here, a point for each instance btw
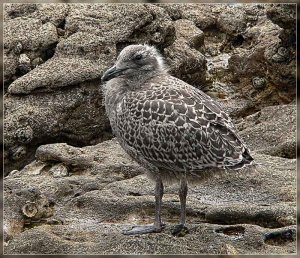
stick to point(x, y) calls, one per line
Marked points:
point(174, 130)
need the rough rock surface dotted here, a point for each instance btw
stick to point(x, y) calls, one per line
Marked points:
point(62, 197)
point(104, 192)
point(243, 55)
point(271, 131)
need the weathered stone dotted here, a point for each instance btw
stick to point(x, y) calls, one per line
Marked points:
point(51, 12)
point(35, 119)
point(186, 63)
point(160, 31)
point(231, 19)
point(64, 72)
point(186, 30)
point(24, 203)
point(272, 131)
point(10, 65)
point(14, 10)
point(90, 159)
point(30, 32)
point(59, 170)
point(241, 54)
point(105, 20)
point(24, 64)
point(202, 15)
point(80, 58)
point(99, 200)
point(282, 14)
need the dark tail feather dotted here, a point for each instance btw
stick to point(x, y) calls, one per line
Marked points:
point(246, 161)
point(247, 157)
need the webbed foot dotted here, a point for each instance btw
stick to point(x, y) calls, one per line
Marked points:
point(180, 230)
point(143, 229)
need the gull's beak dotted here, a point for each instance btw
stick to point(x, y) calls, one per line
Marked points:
point(111, 73)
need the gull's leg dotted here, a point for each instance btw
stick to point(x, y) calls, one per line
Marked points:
point(181, 229)
point(157, 226)
point(159, 192)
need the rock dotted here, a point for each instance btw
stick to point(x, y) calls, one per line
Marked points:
point(24, 205)
point(232, 19)
point(65, 71)
point(201, 15)
point(68, 190)
point(13, 10)
point(107, 21)
point(90, 158)
point(263, 60)
point(24, 64)
point(37, 61)
point(282, 14)
point(100, 198)
point(160, 32)
point(51, 12)
point(10, 66)
point(186, 63)
point(271, 131)
point(31, 33)
point(59, 170)
point(34, 168)
point(259, 82)
point(69, 48)
point(217, 66)
point(187, 30)
point(79, 58)
point(41, 118)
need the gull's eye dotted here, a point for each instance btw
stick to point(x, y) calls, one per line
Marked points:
point(138, 57)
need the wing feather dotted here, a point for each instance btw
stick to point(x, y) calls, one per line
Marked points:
point(179, 128)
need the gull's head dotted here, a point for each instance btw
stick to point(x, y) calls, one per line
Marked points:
point(135, 61)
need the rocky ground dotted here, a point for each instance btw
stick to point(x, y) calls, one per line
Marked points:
point(69, 189)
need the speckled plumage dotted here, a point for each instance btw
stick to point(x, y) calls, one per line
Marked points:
point(171, 128)
point(175, 126)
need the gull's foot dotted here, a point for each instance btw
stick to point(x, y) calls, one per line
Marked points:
point(180, 230)
point(144, 229)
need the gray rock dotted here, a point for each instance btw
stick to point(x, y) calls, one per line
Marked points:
point(31, 33)
point(10, 65)
point(35, 119)
point(23, 206)
point(99, 199)
point(24, 64)
point(69, 47)
point(187, 30)
point(105, 20)
point(272, 131)
point(282, 14)
point(160, 32)
point(59, 170)
point(246, 63)
point(232, 19)
point(51, 12)
point(14, 10)
point(80, 58)
point(73, 44)
point(90, 158)
point(186, 63)
point(203, 15)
